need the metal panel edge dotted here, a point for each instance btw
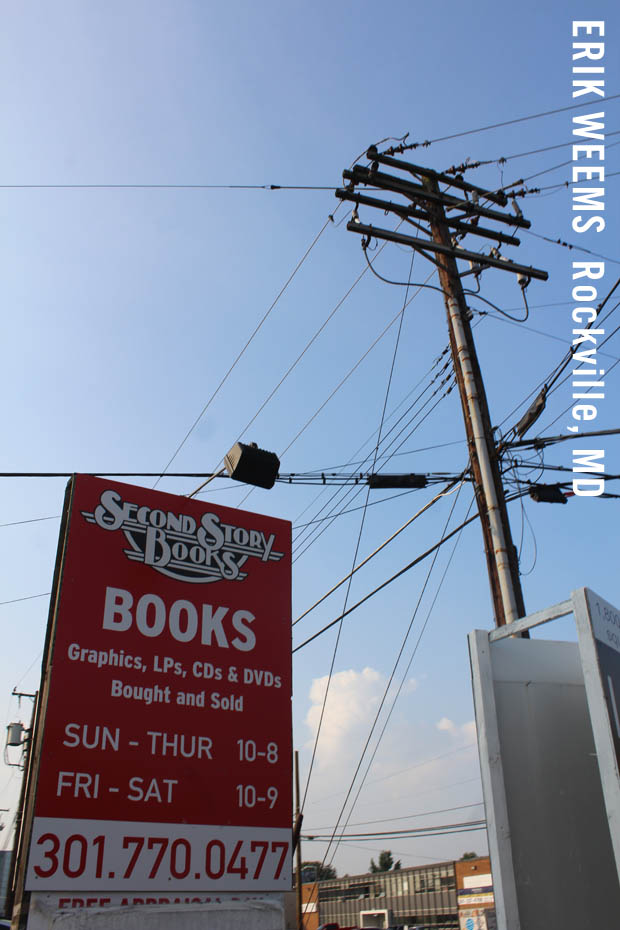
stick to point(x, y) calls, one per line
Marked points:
point(489, 751)
point(532, 620)
point(599, 718)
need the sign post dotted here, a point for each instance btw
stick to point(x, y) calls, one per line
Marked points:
point(163, 746)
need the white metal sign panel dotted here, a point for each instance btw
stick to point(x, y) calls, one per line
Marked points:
point(549, 774)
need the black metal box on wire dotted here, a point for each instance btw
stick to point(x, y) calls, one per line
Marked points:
point(252, 465)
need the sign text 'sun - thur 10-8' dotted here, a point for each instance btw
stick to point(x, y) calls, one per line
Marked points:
point(165, 761)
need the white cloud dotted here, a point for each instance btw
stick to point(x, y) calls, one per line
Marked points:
point(466, 731)
point(352, 703)
point(424, 764)
point(446, 724)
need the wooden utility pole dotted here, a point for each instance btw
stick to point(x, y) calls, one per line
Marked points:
point(19, 814)
point(426, 202)
point(499, 548)
point(300, 919)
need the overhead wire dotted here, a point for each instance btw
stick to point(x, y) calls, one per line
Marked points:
point(380, 548)
point(383, 457)
point(371, 437)
point(502, 159)
point(437, 830)
point(333, 841)
point(561, 366)
point(532, 329)
point(340, 465)
point(164, 186)
point(308, 423)
point(346, 377)
point(554, 187)
point(303, 352)
point(30, 597)
point(357, 546)
point(588, 391)
point(320, 532)
point(393, 577)
point(410, 768)
point(398, 658)
point(370, 823)
point(33, 520)
point(572, 247)
point(561, 164)
point(248, 342)
point(341, 513)
point(398, 150)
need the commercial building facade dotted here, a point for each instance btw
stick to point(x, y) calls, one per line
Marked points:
point(5, 868)
point(422, 897)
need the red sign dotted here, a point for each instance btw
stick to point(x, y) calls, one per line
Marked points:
point(166, 757)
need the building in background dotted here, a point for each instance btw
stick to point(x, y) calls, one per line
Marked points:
point(421, 897)
point(474, 891)
point(310, 905)
point(5, 868)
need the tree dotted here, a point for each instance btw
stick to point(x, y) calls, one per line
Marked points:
point(385, 862)
point(469, 855)
point(316, 871)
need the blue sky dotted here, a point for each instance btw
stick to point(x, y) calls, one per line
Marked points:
point(124, 308)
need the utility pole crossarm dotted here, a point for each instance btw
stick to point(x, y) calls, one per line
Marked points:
point(447, 248)
point(361, 175)
point(498, 197)
point(406, 211)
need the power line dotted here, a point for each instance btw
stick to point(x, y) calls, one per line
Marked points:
point(319, 533)
point(502, 159)
point(30, 597)
point(392, 578)
point(532, 329)
point(34, 520)
point(342, 513)
point(100, 474)
point(540, 441)
point(346, 377)
point(399, 149)
point(556, 187)
point(365, 460)
point(359, 540)
point(410, 833)
point(191, 187)
point(378, 549)
point(368, 823)
point(572, 247)
point(247, 344)
point(418, 765)
point(393, 673)
point(588, 391)
point(304, 350)
point(552, 377)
